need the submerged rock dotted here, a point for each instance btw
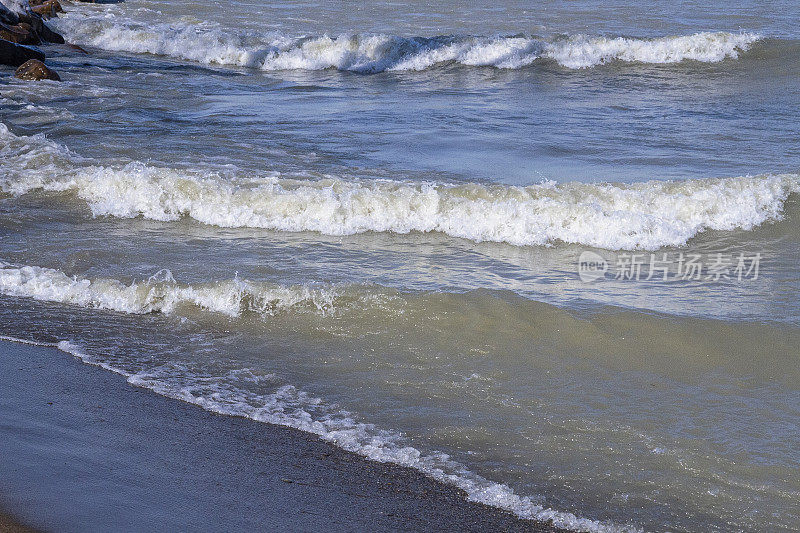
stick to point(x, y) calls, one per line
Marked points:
point(34, 69)
point(17, 54)
point(77, 48)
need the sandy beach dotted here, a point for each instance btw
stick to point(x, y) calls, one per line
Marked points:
point(82, 450)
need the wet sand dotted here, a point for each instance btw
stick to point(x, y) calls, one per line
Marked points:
point(9, 524)
point(81, 450)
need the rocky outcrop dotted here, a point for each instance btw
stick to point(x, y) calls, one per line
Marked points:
point(17, 54)
point(21, 33)
point(44, 32)
point(22, 10)
point(34, 70)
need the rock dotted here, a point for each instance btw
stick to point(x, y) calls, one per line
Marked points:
point(49, 35)
point(7, 16)
point(43, 11)
point(48, 9)
point(77, 48)
point(18, 7)
point(45, 33)
point(33, 69)
point(22, 9)
point(21, 33)
point(17, 54)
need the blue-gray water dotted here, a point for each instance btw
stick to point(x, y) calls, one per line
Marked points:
point(366, 221)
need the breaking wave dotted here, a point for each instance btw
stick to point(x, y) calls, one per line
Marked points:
point(643, 215)
point(370, 53)
point(162, 294)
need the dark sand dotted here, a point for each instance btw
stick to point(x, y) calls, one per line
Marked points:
point(9, 525)
point(82, 450)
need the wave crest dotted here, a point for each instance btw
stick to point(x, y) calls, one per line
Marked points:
point(644, 215)
point(370, 53)
point(162, 294)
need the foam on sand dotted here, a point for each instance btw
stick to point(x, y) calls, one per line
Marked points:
point(286, 405)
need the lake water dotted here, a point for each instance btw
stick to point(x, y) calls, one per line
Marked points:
point(545, 253)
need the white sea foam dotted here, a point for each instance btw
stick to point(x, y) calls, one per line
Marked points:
point(210, 43)
point(162, 294)
point(18, 7)
point(288, 406)
point(644, 215)
point(708, 47)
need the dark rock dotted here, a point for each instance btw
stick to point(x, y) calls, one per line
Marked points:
point(17, 54)
point(49, 35)
point(64, 50)
point(77, 48)
point(21, 33)
point(48, 9)
point(43, 11)
point(7, 16)
point(45, 33)
point(33, 69)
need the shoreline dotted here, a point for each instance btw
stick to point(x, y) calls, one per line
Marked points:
point(68, 427)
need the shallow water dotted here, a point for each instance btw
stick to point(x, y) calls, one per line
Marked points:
point(368, 223)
